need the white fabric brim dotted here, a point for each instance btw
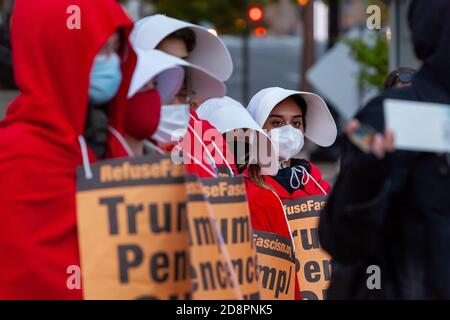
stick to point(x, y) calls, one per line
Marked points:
point(320, 126)
point(210, 51)
point(170, 75)
point(152, 64)
point(203, 84)
point(226, 115)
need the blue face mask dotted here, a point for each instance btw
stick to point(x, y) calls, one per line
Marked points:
point(106, 77)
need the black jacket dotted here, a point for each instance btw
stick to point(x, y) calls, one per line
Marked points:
point(395, 213)
point(6, 70)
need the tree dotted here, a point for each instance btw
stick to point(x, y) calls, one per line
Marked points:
point(373, 58)
point(223, 14)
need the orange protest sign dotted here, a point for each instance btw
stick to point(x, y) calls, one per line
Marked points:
point(222, 254)
point(276, 265)
point(133, 230)
point(313, 264)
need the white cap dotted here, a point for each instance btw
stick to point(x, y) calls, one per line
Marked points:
point(320, 126)
point(169, 71)
point(226, 114)
point(210, 52)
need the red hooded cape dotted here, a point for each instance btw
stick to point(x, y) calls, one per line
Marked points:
point(39, 148)
point(192, 147)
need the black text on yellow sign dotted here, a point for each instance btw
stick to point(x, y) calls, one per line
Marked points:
point(276, 266)
point(313, 264)
point(133, 231)
point(222, 254)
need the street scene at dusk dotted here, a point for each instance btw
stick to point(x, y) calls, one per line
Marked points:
point(225, 150)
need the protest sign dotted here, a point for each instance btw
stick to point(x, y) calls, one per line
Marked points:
point(276, 266)
point(312, 263)
point(132, 230)
point(222, 253)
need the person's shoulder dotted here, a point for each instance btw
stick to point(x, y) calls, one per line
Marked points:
point(315, 171)
point(317, 175)
point(313, 167)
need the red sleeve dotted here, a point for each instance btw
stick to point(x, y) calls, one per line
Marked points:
point(197, 149)
point(211, 134)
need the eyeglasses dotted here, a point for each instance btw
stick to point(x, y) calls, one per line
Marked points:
point(186, 93)
point(404, 77)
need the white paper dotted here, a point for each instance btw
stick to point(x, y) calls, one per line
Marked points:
point(418, 126)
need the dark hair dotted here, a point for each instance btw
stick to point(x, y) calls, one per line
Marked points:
point(6, 66)
point(254, 170)
point(187, 36)
point(254, 175)
point(300, 101)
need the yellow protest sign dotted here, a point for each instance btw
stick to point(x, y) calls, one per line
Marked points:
point(313, 264)
point(276, 266)
point(132, 230)
point(222, 253)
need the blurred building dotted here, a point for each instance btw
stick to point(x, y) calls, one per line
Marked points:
point(352, 13)
point(138, 9)
point(283, 18)
point(401, 52)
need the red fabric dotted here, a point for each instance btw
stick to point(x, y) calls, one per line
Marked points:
point(118, 107)
point(311, 188)
point(267, 214)
point(191, 145)
point(266, 211)
point(39, 141)
point(143, 114)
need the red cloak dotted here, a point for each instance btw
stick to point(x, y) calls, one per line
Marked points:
point(39, 148)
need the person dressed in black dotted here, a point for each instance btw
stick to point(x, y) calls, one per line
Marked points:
point(391, 209)
point(6, 70)
point(399, 78)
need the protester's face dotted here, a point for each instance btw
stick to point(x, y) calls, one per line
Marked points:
point(177, 47)
point(111, 46)
point(149, 86)
point(195, 103)
point(285, 113)
point(106, 74)
point(184, 95)
point(238, 142)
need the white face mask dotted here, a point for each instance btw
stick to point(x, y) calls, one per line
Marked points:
point(288, 140)
point(173, 124)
